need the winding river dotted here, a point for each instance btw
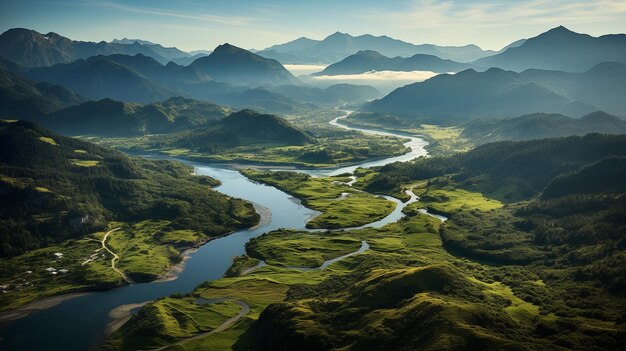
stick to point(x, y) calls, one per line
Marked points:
point(80, 323)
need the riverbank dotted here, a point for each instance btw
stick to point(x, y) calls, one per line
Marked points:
point(26, 310)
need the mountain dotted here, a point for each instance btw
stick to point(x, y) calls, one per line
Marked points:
point(33, 49)
point(499, 93)
point(301, 43)
point(338, 46)
point(228, 63)
point(100, 77)
point(23, 98)
point(114, 118)
point(560, 49)
point(541, 126)
point(56, 188)
point(368, 60)
point(245, 127)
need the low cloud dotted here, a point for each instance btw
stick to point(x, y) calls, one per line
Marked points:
point(410, 76)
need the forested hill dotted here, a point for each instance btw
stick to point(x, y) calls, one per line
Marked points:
point(244, 127)
point(566, 201)
point(510, 171)
point(54, 188)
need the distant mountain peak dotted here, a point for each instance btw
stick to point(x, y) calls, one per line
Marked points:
point(560, 30)
point(226, 47)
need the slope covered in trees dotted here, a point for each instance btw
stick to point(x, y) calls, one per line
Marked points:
point(56, 188)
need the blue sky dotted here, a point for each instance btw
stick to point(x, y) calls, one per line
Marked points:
point(193, 25)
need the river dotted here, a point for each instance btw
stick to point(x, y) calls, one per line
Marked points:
point(80, 323)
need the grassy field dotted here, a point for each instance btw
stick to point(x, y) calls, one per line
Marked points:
point(166, 320)
point(448, 199)
point(290, 248)
point(341, 206)
point(84, 163)
point(48, 140)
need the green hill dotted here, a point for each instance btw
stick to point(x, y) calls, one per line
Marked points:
point(245, 127)
point(59, 188)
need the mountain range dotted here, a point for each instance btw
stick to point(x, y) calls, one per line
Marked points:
point(498, 93)
point(30, 48)
point(142, 79)
point(368, 60)
point(560, 49)
point(338, 46)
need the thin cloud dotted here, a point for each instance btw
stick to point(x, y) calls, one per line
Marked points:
point(413, 76)
point(439, 14)
point(225, 20)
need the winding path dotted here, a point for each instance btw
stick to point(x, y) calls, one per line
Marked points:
point(115, 256)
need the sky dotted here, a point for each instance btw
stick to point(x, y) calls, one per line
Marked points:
point(202, 25)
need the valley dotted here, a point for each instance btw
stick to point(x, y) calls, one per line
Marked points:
point(216, 184)
point(232, 183)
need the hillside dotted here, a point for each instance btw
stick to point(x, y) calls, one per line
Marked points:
point(33, 49)
point(23, 98)
point(228, 63)
point(603, 177)
point(365, 61)
point(62, 188)
point(114, 118)
point(560, 49)
point(498, 93)
point(541, 126)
